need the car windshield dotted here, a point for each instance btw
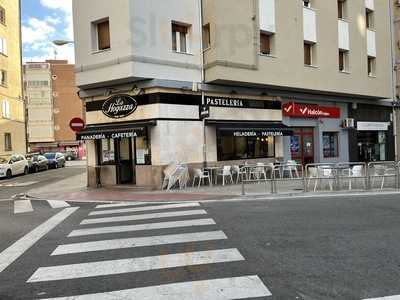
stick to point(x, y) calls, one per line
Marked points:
point(3, 160)
point(50, 155)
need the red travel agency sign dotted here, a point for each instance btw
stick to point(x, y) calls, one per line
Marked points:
point(296, 110)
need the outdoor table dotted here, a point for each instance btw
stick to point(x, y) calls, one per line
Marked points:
point(211, 171)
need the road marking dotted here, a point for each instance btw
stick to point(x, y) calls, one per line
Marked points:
point(123, 266)
point(121, 204)
point(137, 209)
point(397, 297)
point(57, 204)
point(12, 253)
point(19, 184)
point(22, 206)
point(139, 242)
point(216, 289)
point(144, 217)
point(139, 227)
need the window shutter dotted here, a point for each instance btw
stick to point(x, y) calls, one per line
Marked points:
point(103, 30)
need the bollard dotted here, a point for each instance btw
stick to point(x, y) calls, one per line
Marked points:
point(368, 178)
point(243, 190)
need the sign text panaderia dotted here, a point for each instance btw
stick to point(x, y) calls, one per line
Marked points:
point(111, 135)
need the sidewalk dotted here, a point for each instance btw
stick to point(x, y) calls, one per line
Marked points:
point(74, 189)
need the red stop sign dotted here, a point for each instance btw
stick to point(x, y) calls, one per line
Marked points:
point(77, 124)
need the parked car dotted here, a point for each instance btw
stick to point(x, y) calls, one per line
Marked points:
point(15, 165)
point(37, 163)
point(70, 155)
point(55, 160)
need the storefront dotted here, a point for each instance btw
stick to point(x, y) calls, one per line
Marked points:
point(133, 138)
point(372, 139)
point(318, 133)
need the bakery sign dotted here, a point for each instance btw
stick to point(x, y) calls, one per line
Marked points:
point(119, 106)
point(313, 111)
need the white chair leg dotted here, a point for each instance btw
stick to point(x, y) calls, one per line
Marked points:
point(350, 187)
point(315, 185)
point(383, 183)
point(223, 180)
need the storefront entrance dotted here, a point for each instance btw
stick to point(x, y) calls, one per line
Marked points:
point(371, 145)
point(302, 145)
point(124, 161)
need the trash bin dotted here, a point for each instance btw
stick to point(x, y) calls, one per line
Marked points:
point(98, 176)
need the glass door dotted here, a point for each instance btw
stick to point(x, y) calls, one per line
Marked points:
point(302, 145)
point(125, 161)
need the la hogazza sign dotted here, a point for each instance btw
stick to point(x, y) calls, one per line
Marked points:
point(119, 106)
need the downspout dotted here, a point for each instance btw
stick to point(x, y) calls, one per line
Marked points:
point(393, 79)
point(202, 60)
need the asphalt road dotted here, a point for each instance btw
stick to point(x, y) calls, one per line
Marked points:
point(294, 249)
point(22, 184)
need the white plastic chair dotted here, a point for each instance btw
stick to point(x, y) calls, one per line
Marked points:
point(324, 172)
point(357, 172)
point(202, 176)
point(290, 166)
point(240, 173)
point(258, 172)
point(312, 173)
point(383, 172)
point(225, 172)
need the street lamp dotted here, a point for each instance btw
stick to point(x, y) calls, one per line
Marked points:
point(62, 42)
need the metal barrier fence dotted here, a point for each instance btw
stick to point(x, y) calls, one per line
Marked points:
point(323, 176)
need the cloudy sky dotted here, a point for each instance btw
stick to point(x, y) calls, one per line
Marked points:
point(42, 22)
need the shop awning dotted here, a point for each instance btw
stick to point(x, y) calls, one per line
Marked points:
point(114, 130)
point(250, 128)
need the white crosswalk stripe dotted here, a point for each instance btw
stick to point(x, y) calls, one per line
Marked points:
point(397, 297)
point(140, 227)
point(122, 266)
point(139, 242)
point(226, 257)
point(22, 206)
point(181, 213)
point(217, 289)
point(147, 208)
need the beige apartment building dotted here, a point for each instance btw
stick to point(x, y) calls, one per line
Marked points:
point(232, 81)
point(12, 112)
point(52, 102)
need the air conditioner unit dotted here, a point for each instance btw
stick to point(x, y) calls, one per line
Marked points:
point(349, 123)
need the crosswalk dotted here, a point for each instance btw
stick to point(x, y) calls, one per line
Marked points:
point(25, 206)
point(137, 226)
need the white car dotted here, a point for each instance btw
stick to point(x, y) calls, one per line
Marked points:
point(16, 165)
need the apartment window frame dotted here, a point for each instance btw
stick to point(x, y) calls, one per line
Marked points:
point(96, 44)
point(3, 78)
point(180, 37)
point(371, 66)
point(330, 147)
point(269, 43)
point(3, 46)
point(8, 141)
point(310, 54)
point(3, 15)
point(307, 3)
point(369, 19)
point(206, 36)
point(344, 60)
point(342, 9)
point(6, 109)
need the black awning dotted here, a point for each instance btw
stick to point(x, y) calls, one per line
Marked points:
point(250, 128)
point(114, 130)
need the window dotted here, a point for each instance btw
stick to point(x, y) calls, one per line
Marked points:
point(342, 9)
point(3, 77)
point(330, 144)
point(143, 151)
point(102, 30)
point(2, 15)
point(236, 148)
point(180, 38)
point(107, 151)
point(6, 109)
point(307, 3)
point(309, 54)
point(369, 18)
point(38, 83)
point(206, 37)
point(371, 66)
point(266, 43)
point(7, 142)
point(343, 60)
point(3, 46)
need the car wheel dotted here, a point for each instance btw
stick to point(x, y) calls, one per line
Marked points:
point(56, 166)
point(36, 170)
point(69, 158)
point(9, 174)
point(26, 171)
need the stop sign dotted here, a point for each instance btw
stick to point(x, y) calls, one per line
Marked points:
point(77, 124)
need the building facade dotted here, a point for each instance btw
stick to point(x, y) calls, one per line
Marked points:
point(270, 80)
point(52, 102)
point(12, 112)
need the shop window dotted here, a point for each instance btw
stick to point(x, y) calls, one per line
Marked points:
point(180, 38)
point(330, 144)
point(143, 152)
point(7, 142)
point(107, 151)
point(236, 148)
